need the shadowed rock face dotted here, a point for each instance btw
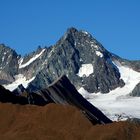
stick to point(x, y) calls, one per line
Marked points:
point(60, 92)
point(63, 92)
point(136, 91)
point(7, 96)
point(19, 90)
point(23, 98)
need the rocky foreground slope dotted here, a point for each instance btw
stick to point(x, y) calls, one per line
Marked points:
point(58, 122)
point(60, 92)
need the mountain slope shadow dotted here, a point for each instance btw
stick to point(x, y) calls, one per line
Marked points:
point(7, 96)
point(63, 92)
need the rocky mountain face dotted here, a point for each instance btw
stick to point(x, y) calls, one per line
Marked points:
point(8, 64)
point(75, 51)
point(77, 54)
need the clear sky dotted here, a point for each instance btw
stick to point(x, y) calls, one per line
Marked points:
point(26, 24)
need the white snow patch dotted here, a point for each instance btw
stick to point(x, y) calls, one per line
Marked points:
point(20, 61)
point(98, 53)
point(95, 46)
point(84, 93)
point(87, 41)
point(50, 53)
point(85, 32)
point(20, 79)
point(117, 104)
point(9, 56)
point(85, 69)
point(31, 60)
point(3, 58)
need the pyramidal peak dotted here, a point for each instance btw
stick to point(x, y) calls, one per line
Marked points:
point(81, 38)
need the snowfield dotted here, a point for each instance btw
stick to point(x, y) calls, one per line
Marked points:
point(85, 69)
point(30, 61)
point(117, 104)
point(20, 79)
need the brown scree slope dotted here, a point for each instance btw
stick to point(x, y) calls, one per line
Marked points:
point(58, 122)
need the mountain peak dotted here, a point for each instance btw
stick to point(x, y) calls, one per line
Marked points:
point(70, 56)
point(4, 47)
point(72, 30)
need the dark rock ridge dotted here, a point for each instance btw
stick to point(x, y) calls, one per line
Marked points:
point(134, 120)
point(74, 50)
point(19, 90)
point(63, 92)
point(8, 97)
point(136, 91)
point(60, 92)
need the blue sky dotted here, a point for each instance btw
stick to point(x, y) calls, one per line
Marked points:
point(26, 24)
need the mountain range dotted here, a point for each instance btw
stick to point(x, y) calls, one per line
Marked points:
point(103, 78)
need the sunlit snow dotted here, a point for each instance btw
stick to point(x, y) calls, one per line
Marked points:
point(98, 53)
point(85, 32)
point(20, 61)
point(20, 79)
point(3, 58)
point(85, 70)
point(95, 46)
point(118, 102)
point(31, 60)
